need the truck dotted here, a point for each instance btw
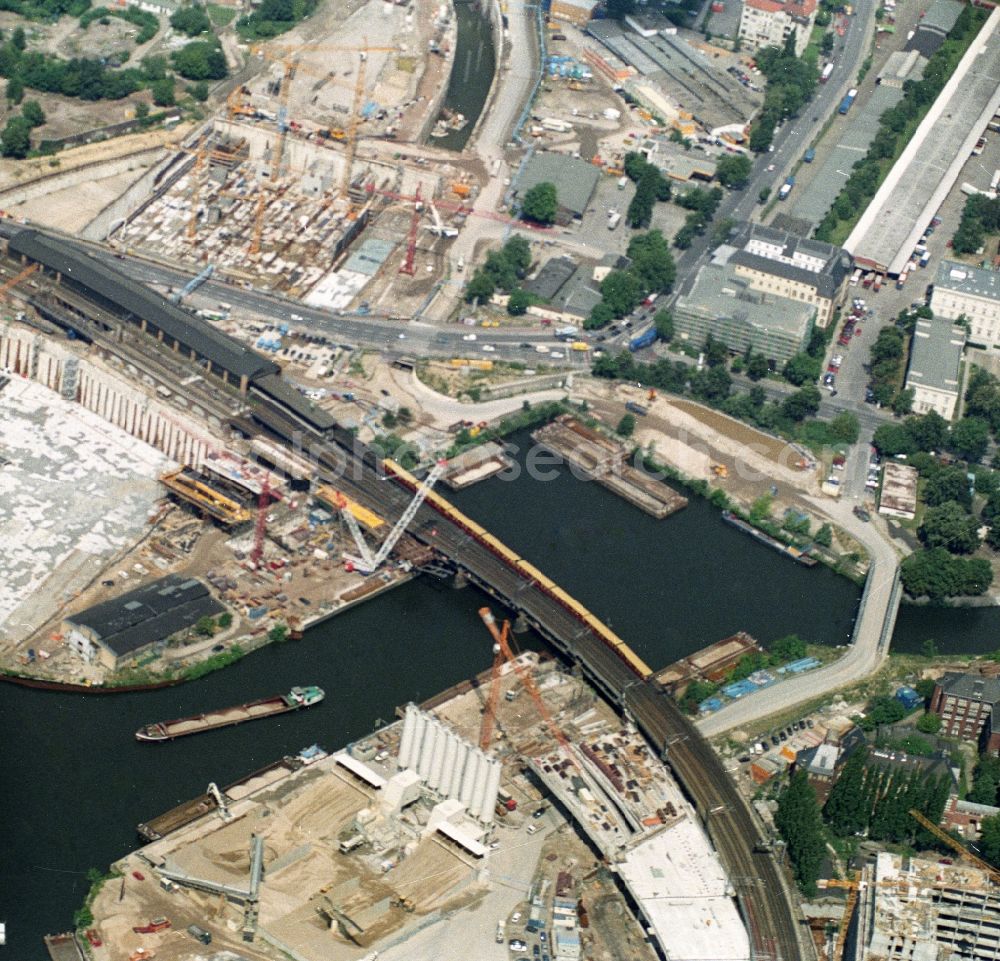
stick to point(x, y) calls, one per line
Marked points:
point(786, 188)
point(825, 75)
point(845, 104)
point(645, 339)
point(633, 408)
point(580, 345)
point(809, 156)
point(506, 800)
point(199, 934)
point(614, 219)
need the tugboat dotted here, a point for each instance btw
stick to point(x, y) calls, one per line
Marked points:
point(296, 698)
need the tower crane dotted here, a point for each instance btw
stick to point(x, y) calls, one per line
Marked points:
point(411, 237)
point(260, 524)
point(493, 699)
point(370, 562)
point(960, 849)
point(501, 639)
point(10, 284)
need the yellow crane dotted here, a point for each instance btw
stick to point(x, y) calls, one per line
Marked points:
point(960, 849)
point(9, 285)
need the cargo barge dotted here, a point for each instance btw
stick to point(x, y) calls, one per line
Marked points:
point(295, 699)
point(788, 550)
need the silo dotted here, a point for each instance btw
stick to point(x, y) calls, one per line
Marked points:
point(406, 739)
point(451, 755)
point(488, 807)
point(479, 789)
point(426, 748)
point(437, 755)
point(469, 777)
point(454, 787)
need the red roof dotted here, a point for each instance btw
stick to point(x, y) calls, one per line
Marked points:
point(794, 8)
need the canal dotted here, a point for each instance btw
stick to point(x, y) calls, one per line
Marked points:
point(76, 782)
point(471, 74)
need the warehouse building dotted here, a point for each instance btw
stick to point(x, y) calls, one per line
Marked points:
point(577, 12)
point(970, 292)
point(769, 23)
point(934, 25)
point(575, 181)
point(724, 304)
point(119, 630)
point(935, 367)
point(782, 264)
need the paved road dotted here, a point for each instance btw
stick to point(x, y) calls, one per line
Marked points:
point(864, 655)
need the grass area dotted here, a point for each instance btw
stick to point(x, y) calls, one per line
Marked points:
point(812, 47)
point(219, 15)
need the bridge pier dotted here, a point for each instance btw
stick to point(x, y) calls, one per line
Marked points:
point(459, 581)
point(521, 624)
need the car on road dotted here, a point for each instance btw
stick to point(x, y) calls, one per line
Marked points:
point(557, 354)
point(862, 515)
point(828, 379)
point(525, 345)
point(402, 336)
point(489, 348)
point(469, 337)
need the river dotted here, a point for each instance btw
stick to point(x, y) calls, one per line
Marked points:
point(75, 782)
point(471, 73)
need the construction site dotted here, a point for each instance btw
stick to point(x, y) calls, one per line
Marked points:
point(465, 811)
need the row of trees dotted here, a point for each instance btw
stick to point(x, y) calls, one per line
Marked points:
point(701, 205)
point(274, 17)
point(191, 20)
point(888, 354)
point(967, 438)
point(790, 86)
point(48, 10)
point(937, 574)
point(650, 186)
point(980, 216)
point(897, 123)
point(652, 270)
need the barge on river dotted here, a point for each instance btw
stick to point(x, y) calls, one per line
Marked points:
point(295, 699)
point(789, 550)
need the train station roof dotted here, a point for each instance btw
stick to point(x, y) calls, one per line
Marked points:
point(143, 303)
point(148, 614)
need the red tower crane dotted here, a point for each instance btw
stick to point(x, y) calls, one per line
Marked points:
point(260, 525)
point(411, 237)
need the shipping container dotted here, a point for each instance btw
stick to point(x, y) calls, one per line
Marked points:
point(644, 339)
point(635, 408)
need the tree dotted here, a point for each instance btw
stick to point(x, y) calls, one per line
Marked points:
point(192, 20)
point(205, 626)
point(278, 633)
point(950, 526)
point(929, 648)
point(663, 320)
point(225, 619)
point(824, 536)
point(541, 203)
point(163, 92)
point(798, 821)
point(626, 426)
point(791, 647)
point(757, 367)
point(936, 574)
point(15, 90)
point(845, 809)
point(989, 839)
point(18, 40)
point(947, 484)
point(198, 91)
point(200, 60)
point(518, 302)
point(652, 263)
point(33, 113)
point(929, 723)
point(803, 403)
point(481, 287)
point(141, 110)
point(893, 439)
point(621, 292)
point(844, 428)
point(985, 780)
point(800, 368)
point(970, 438)
point(733, 170)
point(15, 141)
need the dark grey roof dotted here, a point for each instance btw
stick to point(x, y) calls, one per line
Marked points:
point(148, 614)
point(972, 687)
point(574, 179)
point(139, 300)
point(836, 266)
point(550, 279)
point(292, 398)
point(934, 26)
point(936, 355)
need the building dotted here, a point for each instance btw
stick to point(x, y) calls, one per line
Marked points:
point(972, 293)
point(725, 304)
point(577, 12)
point(933, 27)
point(124, 627)
point(782, 263)
point(575, 181)
point(768, 23)
point(935, 365)
point(925, 911)
point(967, 817)
point(965, 703)
point(899, 491)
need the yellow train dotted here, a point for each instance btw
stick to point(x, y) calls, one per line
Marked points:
point(526, 569)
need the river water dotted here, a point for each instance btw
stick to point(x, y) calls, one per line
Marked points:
point(75, 782)
point(471, 74)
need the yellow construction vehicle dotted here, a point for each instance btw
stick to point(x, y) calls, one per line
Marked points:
point(720, 470)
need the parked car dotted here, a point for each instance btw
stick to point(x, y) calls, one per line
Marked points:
point(94, 938)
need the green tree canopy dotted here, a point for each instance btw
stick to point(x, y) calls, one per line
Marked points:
point(798, 821)
point(950, 526)
point(541, 203)
point(626, 426)
point(33, 113)
point(733, 170)
point(969, 438)
point(15, 141)
point(191, 20)
point(200, 60)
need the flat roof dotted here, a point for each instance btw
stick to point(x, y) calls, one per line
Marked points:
point(899, 490)
point(936, 355)
point(360, 770)
point(144, 303)
point(681, 889)
point(575, 180)
point(975, 281)
point(929, 166)
point(148, 614)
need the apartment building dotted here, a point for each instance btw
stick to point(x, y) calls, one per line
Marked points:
point(972, 293)
point(780, 263)
point(768, 23)
point(965, 703)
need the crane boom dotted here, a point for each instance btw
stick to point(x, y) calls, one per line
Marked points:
point(490, 714)
point(8, 285)
point(960, 849)
point(352, 525)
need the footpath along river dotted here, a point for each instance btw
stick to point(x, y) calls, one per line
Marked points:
point(76, 782)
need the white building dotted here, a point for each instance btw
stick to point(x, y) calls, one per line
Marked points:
point(935, 365)
point(767, 23)
point(973, 293)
